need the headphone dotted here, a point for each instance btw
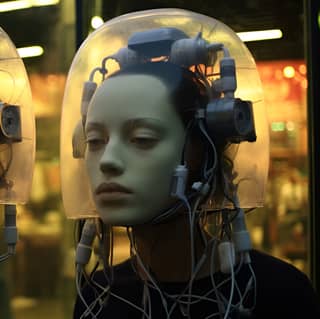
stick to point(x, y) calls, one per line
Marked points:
point(10, 132)
point(225, 116)
point(10, 123)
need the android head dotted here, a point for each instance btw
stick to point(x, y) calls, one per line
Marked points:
point(221, 69)
point(17, 126)
point(135, 132)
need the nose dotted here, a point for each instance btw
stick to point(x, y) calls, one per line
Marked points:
point(111, 162)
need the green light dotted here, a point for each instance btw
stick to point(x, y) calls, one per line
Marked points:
point(319, 19)
point(278, 126)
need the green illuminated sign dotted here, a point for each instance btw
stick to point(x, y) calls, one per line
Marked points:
point(278, 126)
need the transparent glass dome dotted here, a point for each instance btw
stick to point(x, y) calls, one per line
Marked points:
point(250, 160)
point(17, 126)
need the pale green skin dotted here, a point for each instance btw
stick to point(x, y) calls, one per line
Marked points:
point(134, 138)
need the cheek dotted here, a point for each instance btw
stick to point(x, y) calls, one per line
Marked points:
point(160, 163)
point(155, 177)
point(92, 166)
point(151, 177)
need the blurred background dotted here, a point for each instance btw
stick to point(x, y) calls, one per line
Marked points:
point(39, 281)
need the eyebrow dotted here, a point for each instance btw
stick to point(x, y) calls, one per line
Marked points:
point(91, 126)
point(147, 122)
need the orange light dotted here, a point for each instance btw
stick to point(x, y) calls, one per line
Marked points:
point(278, 74)
point(304, 83)
point(290, 126)
point(289, 71)
point(302, 69)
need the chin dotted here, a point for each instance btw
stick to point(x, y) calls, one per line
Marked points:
point(123, 219)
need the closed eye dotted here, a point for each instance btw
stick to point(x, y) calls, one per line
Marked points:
point(144, 142)
point(94, 144)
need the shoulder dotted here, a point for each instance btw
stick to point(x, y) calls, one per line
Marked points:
point(267, 266)
point(122, 273)
point(125, 283)
point(282, 289)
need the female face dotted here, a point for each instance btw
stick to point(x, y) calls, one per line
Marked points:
point(134, 142)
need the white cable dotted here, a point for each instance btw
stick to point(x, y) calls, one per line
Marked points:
point(104, 294)
point(4, 257)
point(100, 299)
point(200, 263)
point(129, 303)
point(122, 299)
point(214, 286)
point(254, 286)
point(84, 247)
point(187, 288)
point(146, 294)
point(78, 281)
point(10, 231)
point(189, 296)
point(232, 288)
point(83, 254)
point(191, 214)
point(105, 290)
point(146, 272)
point(10, 227)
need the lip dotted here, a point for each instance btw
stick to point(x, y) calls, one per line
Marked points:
point(112, 192)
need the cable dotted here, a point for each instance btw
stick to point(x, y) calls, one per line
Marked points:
point(146, 272)
point(205, 188)
point(232, 288)
point(4, 257)
point(78, 288)
point(83, 254)
point(10, 230)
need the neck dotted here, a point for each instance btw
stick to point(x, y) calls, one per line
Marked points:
point(165, 250)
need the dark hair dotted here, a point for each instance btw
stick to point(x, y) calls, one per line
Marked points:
point(187, 93)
